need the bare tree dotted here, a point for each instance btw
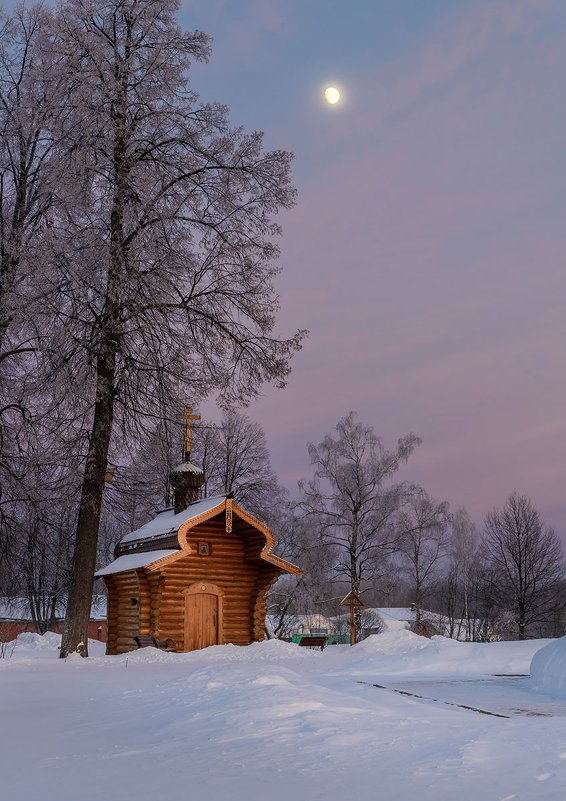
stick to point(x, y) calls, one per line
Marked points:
point(235, 458)
point(424, 523)
point(40, 522)
point(351, 501)
point(463, 537)
point(310, 592)
point(27, 110)
point(165, 254)
point(524, 560)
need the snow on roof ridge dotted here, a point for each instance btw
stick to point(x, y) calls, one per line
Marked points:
point(187, 467)
point(167, 522)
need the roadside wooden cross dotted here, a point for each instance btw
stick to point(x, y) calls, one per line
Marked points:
point(352, 600)
point(190, 416)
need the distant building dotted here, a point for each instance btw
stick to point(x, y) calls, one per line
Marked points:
point(16, 617)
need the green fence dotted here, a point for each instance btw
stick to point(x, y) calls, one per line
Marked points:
point(331, 639)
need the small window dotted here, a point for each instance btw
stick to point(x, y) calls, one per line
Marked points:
point(204, 548)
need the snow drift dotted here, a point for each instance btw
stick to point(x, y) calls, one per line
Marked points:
point(548, 668)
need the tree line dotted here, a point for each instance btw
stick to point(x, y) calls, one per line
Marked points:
point(354, 525)
point(358, 528)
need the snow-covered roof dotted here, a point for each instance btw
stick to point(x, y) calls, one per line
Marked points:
point(163, 529)
point(187, 467)
point(402, 613)
point(167, 522)
point(132, 561)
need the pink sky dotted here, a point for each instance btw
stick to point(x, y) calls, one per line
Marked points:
point(426, 252)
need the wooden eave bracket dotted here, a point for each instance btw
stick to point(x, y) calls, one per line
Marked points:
point(266, 552)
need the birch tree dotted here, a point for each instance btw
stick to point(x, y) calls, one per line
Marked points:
point(165, 256)
point(351, 500)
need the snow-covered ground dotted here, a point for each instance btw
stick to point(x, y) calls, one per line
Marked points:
point(274, 721)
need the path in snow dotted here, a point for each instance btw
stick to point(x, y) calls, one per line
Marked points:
point(500, 695)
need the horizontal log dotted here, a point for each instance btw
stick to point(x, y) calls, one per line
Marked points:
point(226, 581)
point(226, 574)
point(205, 563)
point(237, 594)
point(225, 578)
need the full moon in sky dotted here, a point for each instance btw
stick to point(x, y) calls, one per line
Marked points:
point(331, 95)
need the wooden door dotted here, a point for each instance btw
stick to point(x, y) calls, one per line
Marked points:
point(201, 620)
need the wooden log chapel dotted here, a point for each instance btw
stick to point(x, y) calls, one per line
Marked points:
point(195, 575)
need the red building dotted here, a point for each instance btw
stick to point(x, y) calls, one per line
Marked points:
point(16, 617)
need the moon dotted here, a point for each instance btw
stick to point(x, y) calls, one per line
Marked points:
point(331, 95)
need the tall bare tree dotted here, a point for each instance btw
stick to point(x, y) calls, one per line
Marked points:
point(351, 501)
point(165, 256)
point(524, 560)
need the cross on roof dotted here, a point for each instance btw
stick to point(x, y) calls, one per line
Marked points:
point(189, 416)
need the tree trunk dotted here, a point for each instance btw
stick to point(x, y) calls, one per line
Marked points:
point(75, 632)
point(418, 614)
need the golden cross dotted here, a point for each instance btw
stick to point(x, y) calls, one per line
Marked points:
point(190, 416)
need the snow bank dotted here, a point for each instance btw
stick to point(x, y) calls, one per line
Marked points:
point(266, 651)
point(548, 668)
point(404, 653)
point(35, 646)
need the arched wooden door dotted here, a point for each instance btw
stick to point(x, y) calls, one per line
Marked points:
point(203, 615)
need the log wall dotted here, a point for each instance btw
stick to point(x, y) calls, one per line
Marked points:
point(123, 615)
point(225, 566)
